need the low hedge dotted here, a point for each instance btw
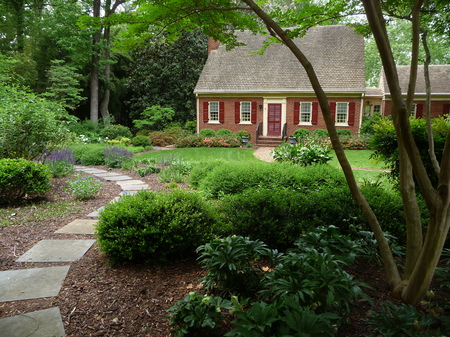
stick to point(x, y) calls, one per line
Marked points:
point(89, 154)
point(152, 227)
point(19, 177)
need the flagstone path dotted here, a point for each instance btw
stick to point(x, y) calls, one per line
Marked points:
point(24, 284)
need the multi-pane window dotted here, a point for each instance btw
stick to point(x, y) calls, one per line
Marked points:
point(246, 111)
point(213, 111)
point(305, 112)
point(341, 113)
point(377, 109)
point(413, 110)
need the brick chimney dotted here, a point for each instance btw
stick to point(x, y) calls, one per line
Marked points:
point(212, 44)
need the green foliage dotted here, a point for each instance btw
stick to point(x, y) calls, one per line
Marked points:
point(300, 154)
point(165, 73)
point(115, 156)
point(233, 265)
point(29, 125)
point(368, 124)
point(84, 188)
point(189, 141)
point(285, 317)
point(60, 163)
point(201, 169)
point(175, 172)
point(241, 133)
point(221, 141)
point(384, 143)
point(19, 177)
point(321, 133)
point(355, 142)
point(207, 133)
point(154, 227)
point(89, 154)
point(393, 320)
point(162, 138)
point(301, 133)
point(224, 132)
point(190, 126)
point(155, 118)
point(198, 314)
point(344, 132)
point(64, 85)
point(313, 279)
point(149, 169)
point(116, 131)
point(230, 178)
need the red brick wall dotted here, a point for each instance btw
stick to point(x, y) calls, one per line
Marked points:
point(229, 122)
point(437, 108)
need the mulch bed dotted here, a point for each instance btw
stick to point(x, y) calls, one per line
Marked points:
point(97, 299)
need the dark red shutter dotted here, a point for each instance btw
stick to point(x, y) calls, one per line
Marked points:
point(296, 113)
point(221, 112)
point(205, 112)
point(333, 111)
point(419, 110)
point(351, 113)
point(237, 112)
point(446, 109)
point(254, 112)
point(315, 113)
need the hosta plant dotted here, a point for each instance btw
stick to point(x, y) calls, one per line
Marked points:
point(301, 154)
point(84, 188)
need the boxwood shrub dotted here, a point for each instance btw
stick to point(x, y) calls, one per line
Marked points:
point(19, 177)
point(89, 154)
point(152, 227)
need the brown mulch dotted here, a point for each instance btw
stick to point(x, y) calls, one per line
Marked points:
point(99, 300)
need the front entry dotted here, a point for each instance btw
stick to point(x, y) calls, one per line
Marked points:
point(274, 119)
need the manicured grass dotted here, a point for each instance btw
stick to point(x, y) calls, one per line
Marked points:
point(203, 154)
point(358, 159)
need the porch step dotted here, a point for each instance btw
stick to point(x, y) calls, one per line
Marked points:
point(269, 141)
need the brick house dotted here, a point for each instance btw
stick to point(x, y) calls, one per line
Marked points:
point(379, 99)
point(269, 95)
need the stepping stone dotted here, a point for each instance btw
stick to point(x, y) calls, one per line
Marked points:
point(41, 323)
point(118, 178)
point(92, 170)
point(134, 187)
point(130, 182)
point(56, 251)
point(25, 284)
point(96, 213)
point(128, 193)
point(107, 174)
point(79, 226)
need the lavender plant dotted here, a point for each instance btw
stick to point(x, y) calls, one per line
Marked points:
point(60, 162)
point(115, 156)
point(84, 188)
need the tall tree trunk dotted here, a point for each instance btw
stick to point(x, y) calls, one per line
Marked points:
point(104, 106)
point(94, 81)
point(438, 201)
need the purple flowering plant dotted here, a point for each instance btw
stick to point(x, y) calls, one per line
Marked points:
point(115, 156)
point(60, 162)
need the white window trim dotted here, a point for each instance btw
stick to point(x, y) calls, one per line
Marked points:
point(240, 113)
point(212, 121)
point(413, 108)
point(300, 115)
point(336, 116)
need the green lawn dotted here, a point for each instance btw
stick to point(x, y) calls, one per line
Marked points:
point(203, 154)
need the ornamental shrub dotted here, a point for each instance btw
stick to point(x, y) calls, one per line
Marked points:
point(224, 132)
point(60, 162)
point(321, 133)
point(30, 125)
point(141, 141)
point(151, 227)
point(116, 131)
point(20, 177)
point(161, 138)
point(84, 188)
point(207, 133)
point(189, 141)
point(344, 132)
point(301, 154)
point(89, 154)
point(201, 169)
point(115, 156)
point(301, 133)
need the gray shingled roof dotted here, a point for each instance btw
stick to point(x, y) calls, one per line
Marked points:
point(439, 79)
point(336, 53)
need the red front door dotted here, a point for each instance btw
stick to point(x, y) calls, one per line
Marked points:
point(274, 119)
